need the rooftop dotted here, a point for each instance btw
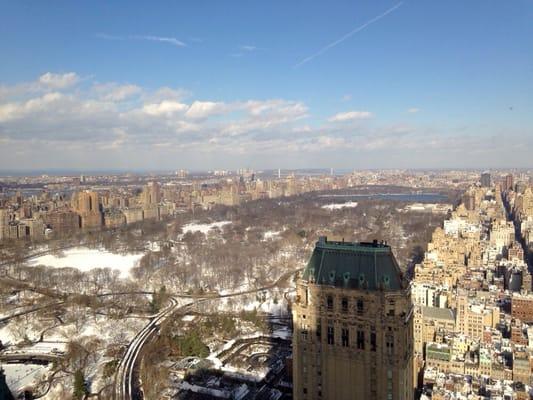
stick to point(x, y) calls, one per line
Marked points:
point(354, 265)
point(438, 313)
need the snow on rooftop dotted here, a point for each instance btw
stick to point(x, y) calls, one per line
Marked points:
point(282, 333)
point(85, 259)
point(219, 393)
point(339, 206)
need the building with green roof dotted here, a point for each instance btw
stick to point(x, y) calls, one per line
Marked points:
point(352, 319)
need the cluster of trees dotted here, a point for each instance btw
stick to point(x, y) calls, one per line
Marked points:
point(240, 254)
point(191, 344)
point(232, 258)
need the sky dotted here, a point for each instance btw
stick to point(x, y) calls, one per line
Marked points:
point(166, 85)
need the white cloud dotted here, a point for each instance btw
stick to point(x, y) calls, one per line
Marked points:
point(59, 81)
point(204, 109)
point(115, 92)
point(128, 125)
point(350, 116)
point(18, 110)
point(163, 39)
point(248, 48)
point(47, 82)
point(165, 108)
point(413, 110)
point(278, 107)
point(166, 93)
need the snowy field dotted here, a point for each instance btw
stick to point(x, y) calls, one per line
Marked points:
point(204, 228)
point(85, 259)
point(339, 206)
point(270, 235)
point(18, 376)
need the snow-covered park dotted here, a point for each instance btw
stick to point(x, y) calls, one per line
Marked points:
point(20, 376)
point(339, 206)
point(86, 259)
point(204, 228)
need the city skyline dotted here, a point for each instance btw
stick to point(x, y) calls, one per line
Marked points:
point(350, 85)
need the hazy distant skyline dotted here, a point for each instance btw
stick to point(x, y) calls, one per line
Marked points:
point(226, 85)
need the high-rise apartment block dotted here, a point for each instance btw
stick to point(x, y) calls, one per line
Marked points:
point(151, 195)
point(485, 179)
point(87, 205)
point(353, 325)
point(508, 182)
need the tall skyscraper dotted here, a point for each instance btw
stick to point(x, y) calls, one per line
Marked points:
point(4, 220)
point(151, 194)
point(353, 325)
point(485, 179)
point(508, 184)
point(87, 205)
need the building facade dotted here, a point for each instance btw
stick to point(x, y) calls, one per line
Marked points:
point(353, 325)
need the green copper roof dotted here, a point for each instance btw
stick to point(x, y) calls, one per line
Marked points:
point(365, 266)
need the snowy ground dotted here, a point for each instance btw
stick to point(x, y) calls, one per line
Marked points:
point(271, 235)
point(204, 228)
point(7, 336)
point(339, 206)
point(19, 376)
point(40, 348)
point(85, 259)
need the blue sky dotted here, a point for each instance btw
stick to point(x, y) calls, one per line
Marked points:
point(418, 84)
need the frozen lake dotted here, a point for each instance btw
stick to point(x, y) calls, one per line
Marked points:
point(85, 259)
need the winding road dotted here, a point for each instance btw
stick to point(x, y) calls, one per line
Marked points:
point(127, 385)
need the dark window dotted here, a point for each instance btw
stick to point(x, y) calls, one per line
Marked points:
point(331, 335)
point(360, 306)
point(344, 304)
point(319, 331)
point(372, 341)
point(361, 340)
point(304, 334)
point(391, 308)
point(330, 303)
point(390, 345)
point(345, 337)
point(305, 390)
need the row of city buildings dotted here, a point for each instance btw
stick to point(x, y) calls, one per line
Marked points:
point(68, 210)
point(41, 206)
point(473, 319)
point(461, 329)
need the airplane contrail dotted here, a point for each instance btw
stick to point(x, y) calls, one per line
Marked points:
point(348, 35)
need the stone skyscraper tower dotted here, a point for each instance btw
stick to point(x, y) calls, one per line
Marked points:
point(353, 332)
